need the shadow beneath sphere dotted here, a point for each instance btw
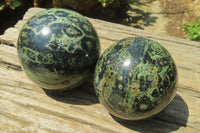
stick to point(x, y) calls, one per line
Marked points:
point(82, 95)
point(174, 116)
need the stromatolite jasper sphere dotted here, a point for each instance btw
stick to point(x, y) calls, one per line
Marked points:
point(58, 48)
point(135, 78)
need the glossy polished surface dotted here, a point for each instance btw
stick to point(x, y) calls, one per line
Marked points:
point(135, 78)
point(58, 48)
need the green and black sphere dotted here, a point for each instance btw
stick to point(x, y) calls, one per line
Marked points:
point(58, 48)
point(135, 78)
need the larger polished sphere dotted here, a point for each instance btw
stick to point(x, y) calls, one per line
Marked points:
point(135, 78)
point(58, 48)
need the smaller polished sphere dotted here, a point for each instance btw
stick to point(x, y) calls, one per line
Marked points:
point(135, 78)
point(58, 48)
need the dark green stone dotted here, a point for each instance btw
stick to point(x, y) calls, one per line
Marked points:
point(58, 48)
point(135, 78)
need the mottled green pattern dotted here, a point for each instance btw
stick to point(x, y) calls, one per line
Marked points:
point(135, 78)
point(106, 2)
point(58, 48)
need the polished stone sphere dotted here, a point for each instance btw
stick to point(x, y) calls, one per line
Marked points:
point(58, 48)
point(135, 78)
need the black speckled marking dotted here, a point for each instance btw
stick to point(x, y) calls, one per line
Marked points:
point(135, 78)
point(58, 48)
